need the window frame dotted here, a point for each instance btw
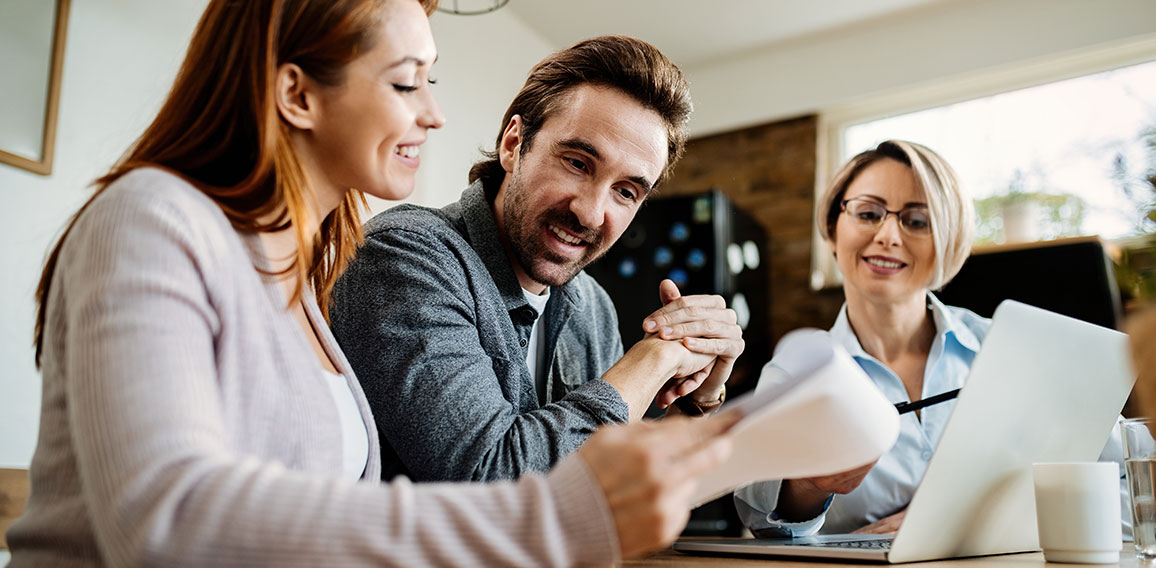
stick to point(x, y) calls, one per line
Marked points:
point(834, 121)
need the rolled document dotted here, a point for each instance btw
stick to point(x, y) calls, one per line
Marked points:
point(814, 412)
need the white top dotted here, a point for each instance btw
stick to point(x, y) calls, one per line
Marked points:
point(536, 340)
point(354, 440)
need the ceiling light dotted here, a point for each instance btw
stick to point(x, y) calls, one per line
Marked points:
point(470, 7)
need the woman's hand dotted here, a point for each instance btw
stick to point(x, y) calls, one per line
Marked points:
point(803, 499)
point(886, 525)
point(649, 471)
point(704, 325)
point(839, 483)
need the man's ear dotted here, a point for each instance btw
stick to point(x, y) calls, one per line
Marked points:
point(511, 144)
point(292, 92)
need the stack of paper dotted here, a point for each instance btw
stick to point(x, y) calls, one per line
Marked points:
point(814, 412)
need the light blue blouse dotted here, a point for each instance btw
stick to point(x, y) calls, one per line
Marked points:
point(889, 486)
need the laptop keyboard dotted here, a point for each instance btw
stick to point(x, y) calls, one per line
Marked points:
point(874, 544)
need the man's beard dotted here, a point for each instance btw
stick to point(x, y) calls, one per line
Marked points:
point(541, 263)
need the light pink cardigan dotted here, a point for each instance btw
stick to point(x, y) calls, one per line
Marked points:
point(183, 422)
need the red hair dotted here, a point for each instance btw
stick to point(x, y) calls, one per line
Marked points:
point(220, 129)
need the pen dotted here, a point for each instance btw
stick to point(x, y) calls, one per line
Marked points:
point(905, 407)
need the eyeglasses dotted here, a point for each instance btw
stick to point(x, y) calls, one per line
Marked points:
point(869, 215)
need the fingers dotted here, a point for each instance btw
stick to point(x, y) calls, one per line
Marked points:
point(648, 473)
point(688, 309)
point(668, 291)
point(674, 389)
point(730, 347)
point(886, 525)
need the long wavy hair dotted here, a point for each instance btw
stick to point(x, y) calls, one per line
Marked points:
point(220, 130)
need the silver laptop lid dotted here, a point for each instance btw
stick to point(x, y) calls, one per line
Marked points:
point(1043, 388)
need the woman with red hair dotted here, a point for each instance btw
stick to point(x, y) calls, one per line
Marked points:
point(196, 409)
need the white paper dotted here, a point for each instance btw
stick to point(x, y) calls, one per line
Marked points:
point(815, 412)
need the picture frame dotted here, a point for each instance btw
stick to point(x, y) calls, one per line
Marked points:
point(34, 62)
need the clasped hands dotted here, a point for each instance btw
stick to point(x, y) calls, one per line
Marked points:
point(709, 335)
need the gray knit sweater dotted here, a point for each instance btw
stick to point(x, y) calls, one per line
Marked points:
point(436, 326)
point(185, 421)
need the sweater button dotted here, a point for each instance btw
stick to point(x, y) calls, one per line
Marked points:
point(523, 342)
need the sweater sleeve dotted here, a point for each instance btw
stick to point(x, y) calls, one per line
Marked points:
point(405, 317)
point(161, 482)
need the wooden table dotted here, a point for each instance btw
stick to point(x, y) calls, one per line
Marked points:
point(670, 559)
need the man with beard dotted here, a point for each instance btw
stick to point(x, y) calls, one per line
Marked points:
point(484, 350)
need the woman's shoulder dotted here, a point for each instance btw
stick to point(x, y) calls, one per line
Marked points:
point(154, 189)
point(147, 207)
point(965, 319)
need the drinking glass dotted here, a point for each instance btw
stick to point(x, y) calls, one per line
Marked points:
point(1140, 465)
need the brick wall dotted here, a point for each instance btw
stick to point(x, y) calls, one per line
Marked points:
point(769, 172)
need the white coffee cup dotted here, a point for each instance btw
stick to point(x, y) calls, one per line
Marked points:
point(1078, 511)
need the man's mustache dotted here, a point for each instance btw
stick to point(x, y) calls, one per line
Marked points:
point(569, 221)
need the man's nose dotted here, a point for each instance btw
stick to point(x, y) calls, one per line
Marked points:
point(589, 205)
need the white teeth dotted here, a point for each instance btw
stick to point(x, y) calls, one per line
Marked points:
point(565, 236)
point(883, 263)
point(407, 151)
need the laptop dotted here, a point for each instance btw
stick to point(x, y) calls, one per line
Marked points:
point(1043, 388)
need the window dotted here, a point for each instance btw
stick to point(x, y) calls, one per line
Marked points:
point(1062, 159)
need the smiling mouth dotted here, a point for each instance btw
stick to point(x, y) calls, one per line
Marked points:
point(566, 237)
point(407, 151)
point(883, 263)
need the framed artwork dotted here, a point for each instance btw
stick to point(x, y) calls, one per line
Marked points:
point(32, 35)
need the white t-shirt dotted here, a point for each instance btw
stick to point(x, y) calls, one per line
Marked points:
point(537, 342)
point(354, 440)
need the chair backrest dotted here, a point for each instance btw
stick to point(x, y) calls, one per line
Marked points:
point(13, 495)
point(1074, 277)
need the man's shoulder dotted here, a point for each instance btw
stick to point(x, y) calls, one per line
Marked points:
point(413, 218)
point(590, 290)
point(415, 228)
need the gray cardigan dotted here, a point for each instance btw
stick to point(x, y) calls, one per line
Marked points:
point(184, 421)
point(435, 324)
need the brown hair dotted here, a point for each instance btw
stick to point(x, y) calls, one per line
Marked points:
point(951, 211)
point(220, 129)
point(630, 65)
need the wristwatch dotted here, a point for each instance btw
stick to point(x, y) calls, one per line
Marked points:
point(690, 406)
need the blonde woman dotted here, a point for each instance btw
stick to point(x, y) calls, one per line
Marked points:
point(899, 226)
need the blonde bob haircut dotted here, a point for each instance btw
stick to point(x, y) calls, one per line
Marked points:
point(952, 213)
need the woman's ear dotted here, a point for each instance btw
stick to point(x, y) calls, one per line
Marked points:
point(294, 97)
point(511, 145)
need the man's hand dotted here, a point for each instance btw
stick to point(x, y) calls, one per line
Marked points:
point(704, 325)
point(886, 525)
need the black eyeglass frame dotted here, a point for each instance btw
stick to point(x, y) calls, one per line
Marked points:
point(886, 212)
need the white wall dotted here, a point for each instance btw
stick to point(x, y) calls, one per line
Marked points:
point(917, 48)
point(120, 58)
point(482, 63)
